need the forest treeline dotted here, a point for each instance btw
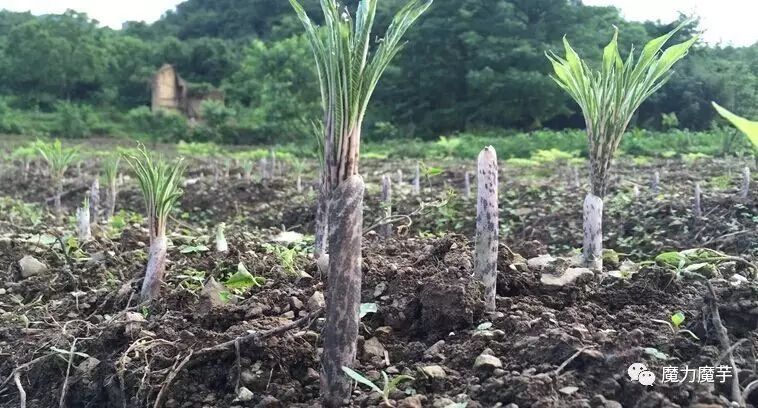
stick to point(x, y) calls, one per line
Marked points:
point(469, 65)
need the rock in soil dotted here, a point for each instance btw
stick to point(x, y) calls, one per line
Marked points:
point(30, 266)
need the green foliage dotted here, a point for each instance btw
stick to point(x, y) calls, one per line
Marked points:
point(390, 385)
point(287, 257)
point(158, 126)
point(675, 322)
point(58, 158)
point(160, 182)
point(75, 121)
point(276, 81)
point(677, 319)
point(748, 127)
point(469, 67)
point(610, 95)
point(19, 212)
point(110, 168)
point(348, 75)
point(243, 280)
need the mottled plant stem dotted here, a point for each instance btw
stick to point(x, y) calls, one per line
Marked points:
point(156, 268)
point(416, 188)
point(299, 183)
point(485, 259)
point(745, 190)
point(344, 294)
point(399, 178)
point(593, 232)
point(94, 201)
point(575, 173)
point(636, 192)
point(322, 222)
point(57, 201)
point(697, 209)
point(655, 184)
point(467, 186)
point(386, 230)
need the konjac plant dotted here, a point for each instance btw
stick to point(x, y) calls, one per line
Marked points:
point(347, 78)
point(58, 160)
point(160, 183)
point(110, 168)
point(608, 97)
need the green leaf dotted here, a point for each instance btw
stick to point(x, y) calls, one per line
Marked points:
point(189, 249)
point(677, 319)
point(367, 308)
point(655, 353)
point(748, 127)
point(243, 279)
point(433, 171)
point(392, 385)
point(484, 326)
point(361, 379)
point(672, 259)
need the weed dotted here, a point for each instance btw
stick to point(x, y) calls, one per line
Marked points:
point(389, 384)
point(675, 321)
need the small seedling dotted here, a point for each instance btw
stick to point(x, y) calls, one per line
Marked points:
point(287, 257)
point(221, 244)
point(675, 323)
point(194, 249)
point(389, 384)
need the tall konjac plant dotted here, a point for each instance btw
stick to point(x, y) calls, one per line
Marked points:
point(160, 184)
point(608, 97)
point(58, 159)
point(347, 79)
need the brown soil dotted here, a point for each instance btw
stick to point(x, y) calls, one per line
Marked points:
point(430, 311)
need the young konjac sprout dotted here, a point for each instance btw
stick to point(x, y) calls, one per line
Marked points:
point(298, 165)
point(160, 183)
point(110, 169)
point(58, 159)
point(608, 97)
point(94, 194)
point(221, 244)
point(84, 232)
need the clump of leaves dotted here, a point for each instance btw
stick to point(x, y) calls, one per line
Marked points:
point(675, 322)
point(390, 384)
point(626, 270)
point(191, 279)
point(608, 97)
point(287, 257)
point(58, 159)
point(243, 279)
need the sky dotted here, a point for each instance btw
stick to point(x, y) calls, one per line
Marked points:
point(729, 22)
